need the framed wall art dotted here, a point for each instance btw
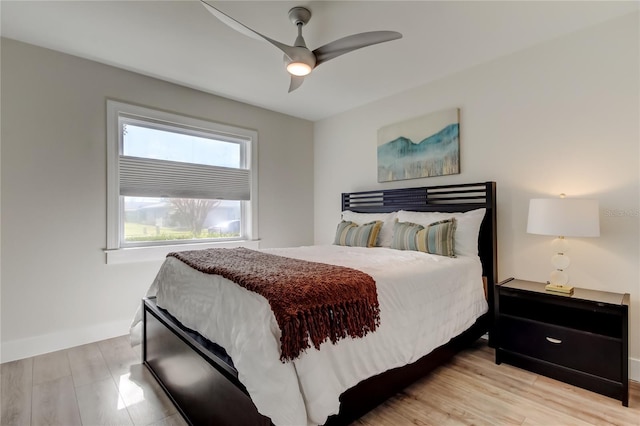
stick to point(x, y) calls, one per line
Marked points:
point(420, 147)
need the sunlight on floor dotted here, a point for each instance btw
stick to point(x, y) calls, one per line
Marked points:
point(130, 391)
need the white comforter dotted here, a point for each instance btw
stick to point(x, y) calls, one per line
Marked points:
point(425, 300)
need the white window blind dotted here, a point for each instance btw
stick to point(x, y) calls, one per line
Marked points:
point(145, 177)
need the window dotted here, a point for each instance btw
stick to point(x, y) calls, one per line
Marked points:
point(177, 180)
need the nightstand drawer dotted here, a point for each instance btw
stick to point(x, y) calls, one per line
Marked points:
point(587, 352)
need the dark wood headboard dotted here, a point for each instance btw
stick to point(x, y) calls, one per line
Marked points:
point(446, 198)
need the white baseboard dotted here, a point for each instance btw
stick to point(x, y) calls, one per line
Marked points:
point(634, 369)
point(38, 345)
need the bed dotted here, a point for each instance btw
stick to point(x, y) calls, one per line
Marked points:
point(206, 383)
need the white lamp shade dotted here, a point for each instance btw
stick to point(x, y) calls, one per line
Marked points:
point(566, 217)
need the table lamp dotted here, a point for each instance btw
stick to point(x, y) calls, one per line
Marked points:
point(563, 217)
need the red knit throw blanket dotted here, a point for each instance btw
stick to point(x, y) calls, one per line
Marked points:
point(312, 302)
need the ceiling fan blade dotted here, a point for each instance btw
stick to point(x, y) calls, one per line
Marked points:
point(351, 43)
point(243, 29)
point(296, 82)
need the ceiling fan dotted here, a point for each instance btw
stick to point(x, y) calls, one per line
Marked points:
point(298, 58)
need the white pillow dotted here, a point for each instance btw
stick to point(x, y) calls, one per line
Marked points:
point(467, 230)
point(386, 232)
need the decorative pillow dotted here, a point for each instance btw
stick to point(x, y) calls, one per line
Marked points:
point(467, 226)
point(386, 232)
point(435, 238)
point(350, 234)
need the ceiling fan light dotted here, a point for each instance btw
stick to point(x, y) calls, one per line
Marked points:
point(298, 68)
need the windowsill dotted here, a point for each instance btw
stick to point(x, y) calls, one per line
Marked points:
point(158, 253)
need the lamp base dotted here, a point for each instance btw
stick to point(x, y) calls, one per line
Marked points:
point(559, 288)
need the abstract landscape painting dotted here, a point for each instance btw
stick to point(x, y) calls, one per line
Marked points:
point(421, 147)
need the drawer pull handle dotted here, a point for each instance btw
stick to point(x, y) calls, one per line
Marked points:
point(552, 340)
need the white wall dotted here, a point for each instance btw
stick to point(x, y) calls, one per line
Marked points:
point(562, 116)
point(57, 290)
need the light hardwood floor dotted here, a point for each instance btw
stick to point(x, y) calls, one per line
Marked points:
point(103, 383)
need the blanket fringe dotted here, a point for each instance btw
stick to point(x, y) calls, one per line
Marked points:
point(319, 324)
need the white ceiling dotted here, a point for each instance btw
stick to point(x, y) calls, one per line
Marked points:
point(179, 41)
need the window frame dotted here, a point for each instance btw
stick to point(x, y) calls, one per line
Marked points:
point(117, 252)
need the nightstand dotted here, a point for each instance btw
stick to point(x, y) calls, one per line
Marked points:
point(581, 339)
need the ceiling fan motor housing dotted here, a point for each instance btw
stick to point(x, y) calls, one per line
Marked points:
point(301, 55)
